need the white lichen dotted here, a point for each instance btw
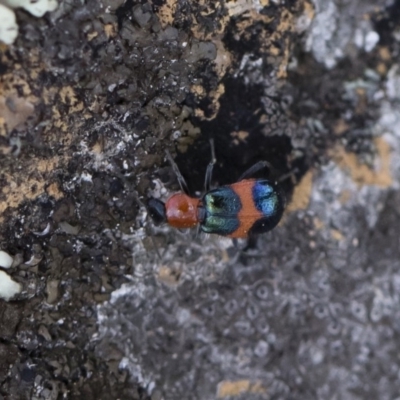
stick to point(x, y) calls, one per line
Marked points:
point(8, 25)
point(5, 260)
point(8, 287)
point(36, 7)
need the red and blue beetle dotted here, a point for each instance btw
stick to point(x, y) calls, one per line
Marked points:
point(239, 210)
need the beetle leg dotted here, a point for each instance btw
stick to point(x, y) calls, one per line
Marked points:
point(210, 167)
point(152, 234)
point(198, 230)
point(181, 180)
point(255, 168)
point(288, 175)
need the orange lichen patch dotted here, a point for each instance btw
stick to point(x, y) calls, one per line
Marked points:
point(286, 23)
point(91, 35)
point(361, 173)
point(282, 70)
point(166, 13)
point(249, 17)
point(257, 387)
point(98, 147)
point(13, 83)
point(14, 111)
point(215, 105)
point(318, 224)
point(223, 60)
point(236, 388)
point(48, 95)
point(207, 8)
point(190, 133)
point(301, 194)
point(110, 30)
point(60, 117)
point(239, 136)
point(14, 194)
point(233, 388)
point(198, 90)
point(21, 90)
point(362, 101)
point(340, 127)
point(381, 69)
point(274, 42)
point(46, 166)
point(169, 276)
point(337, 235)
point(68, 96)
point(385, 53)
point(309, 10)
point(216, 94)
point(345, 196)
point(58, 121)
point(14, 191)
point(54, 191)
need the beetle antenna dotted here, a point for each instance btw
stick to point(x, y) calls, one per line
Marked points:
point(181, 180)
point(254, 169)
point(210, 167)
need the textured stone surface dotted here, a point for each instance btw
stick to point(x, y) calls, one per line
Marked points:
point(91, 96)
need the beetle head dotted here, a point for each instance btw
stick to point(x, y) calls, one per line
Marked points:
point(157, 211)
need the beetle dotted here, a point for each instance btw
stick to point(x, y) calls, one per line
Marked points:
point(239, 210)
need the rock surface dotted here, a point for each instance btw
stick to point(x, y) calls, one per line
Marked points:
point(92, 95)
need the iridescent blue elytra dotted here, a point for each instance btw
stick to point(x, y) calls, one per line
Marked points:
point(248, 206)
point(265, 197)
point(220, 211)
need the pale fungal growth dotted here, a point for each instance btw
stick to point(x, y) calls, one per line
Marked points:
point(8, 287)
point(5, 260)
point(36, 7)
point(8, 25)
